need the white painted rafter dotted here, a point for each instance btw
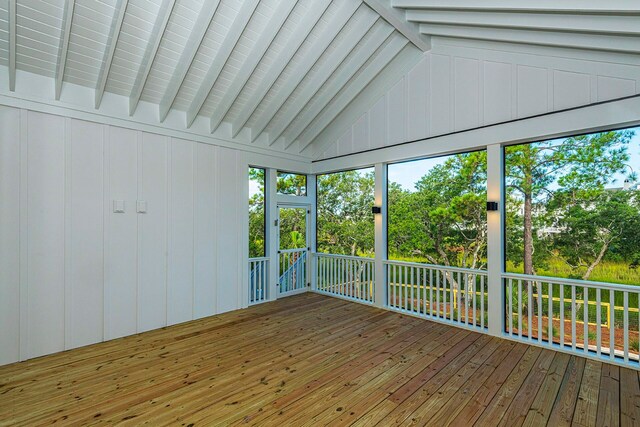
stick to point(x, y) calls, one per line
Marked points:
point(231, 39)
point(298, 36)
point(61, 61)
point(150, 53)
point(279, 16)
point(593, 23)
point(198, 32)
point(603, 42)
point(355, 86)
point(291, 128)
point(114, 33)
point(12, 45)
point(396, 18)
point(332, 61)
point(551, 6)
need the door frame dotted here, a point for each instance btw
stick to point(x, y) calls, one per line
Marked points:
point(307, 249)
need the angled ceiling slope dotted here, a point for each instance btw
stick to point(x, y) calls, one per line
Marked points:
point(264, 73)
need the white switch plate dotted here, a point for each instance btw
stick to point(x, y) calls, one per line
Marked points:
point(118, 206)
point(142, 206)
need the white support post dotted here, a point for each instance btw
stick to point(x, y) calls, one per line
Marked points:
point(311, 232)
point(495, 240)
point(380, 234)
point(271, 211)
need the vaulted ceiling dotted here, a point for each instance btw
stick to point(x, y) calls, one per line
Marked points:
point(272, 73)
point(272, 66)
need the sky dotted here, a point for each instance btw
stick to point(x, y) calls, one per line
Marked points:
point(408, 173)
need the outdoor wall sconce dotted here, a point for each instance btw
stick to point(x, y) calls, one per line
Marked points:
point(376, 210)
point(492, 206)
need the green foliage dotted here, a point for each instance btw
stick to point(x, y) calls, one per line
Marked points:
point(291, 183)
point(257, 214)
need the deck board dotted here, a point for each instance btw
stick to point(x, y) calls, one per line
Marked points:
point(315, 360)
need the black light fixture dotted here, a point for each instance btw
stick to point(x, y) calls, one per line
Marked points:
point(376, 209)
point(492, 206)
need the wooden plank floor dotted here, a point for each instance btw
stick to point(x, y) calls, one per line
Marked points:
point(314, 360)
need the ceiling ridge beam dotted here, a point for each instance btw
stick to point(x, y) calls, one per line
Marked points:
point(609, 43)
point(598, 24)
point(396, 18)
point(260, 48)
point(12, 45)
point(352, 89)
point(616, 7)
point(159, 27)
point(207, 11)
point(324, 72)
point(114, 34)
point(347, 69)
point(63, 48)
point(299, 34)
point(302, 69)
point(222, 56)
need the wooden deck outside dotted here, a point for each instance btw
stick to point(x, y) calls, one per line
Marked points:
point(315, 360)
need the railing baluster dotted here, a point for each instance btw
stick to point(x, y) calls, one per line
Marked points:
point(431, 291)
point(550, 313)
point(573, 317)
point(474, 296)
point(561, 315)
point(530, 308)
point(612, 324)
point(460, 283)
point(451, 295)
point(482, 310)
point(519, 308)
point(625, 305)
point(539, 293)
point(510, 300)
point(598, 322)
point(585, 297)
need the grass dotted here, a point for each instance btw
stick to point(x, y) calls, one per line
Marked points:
point(609, 271)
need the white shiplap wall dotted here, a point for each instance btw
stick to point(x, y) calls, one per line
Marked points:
point(463, 84)
point(74, 273)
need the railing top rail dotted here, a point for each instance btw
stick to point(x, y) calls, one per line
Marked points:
point(572, 282)
point(435, 266)
point(289, 251)
point(262, 258)
point(359, 258)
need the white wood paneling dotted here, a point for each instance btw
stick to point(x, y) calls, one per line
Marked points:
point(85, 233)
point(205, 204)
point(180, 274)
point(9, 234)
point(461, 85)
point(152, 232)
point(121, 246)
point(45, 218)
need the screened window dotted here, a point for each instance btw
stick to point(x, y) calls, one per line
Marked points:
point(344, 220)
point(572, 207)
point(291, 184)
point(437, 210)
point(256, 212)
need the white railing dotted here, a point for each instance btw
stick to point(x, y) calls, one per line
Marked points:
point(454, 295)
point(292, 270)
point(593, 318)
point(346, 276)
point(258, 279)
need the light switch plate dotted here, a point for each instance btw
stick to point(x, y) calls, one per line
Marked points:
point(142, 206)
point(118, 206)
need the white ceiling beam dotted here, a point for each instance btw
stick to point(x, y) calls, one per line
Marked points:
point(114, 33)
point(222, 56)
point(547, 6)
point(150, 54)
point(396, 18)
point(621, 25)
point(61, 62)
point(261, 46)
point(198, 32)
point(12, 45)
point(340, 78)
point(609, 43)
point(351, 91)
point(295, 40)
point(333, 60)
point(361, 104)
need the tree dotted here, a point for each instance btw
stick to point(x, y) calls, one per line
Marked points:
point(584, 163)
point(257, 214)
